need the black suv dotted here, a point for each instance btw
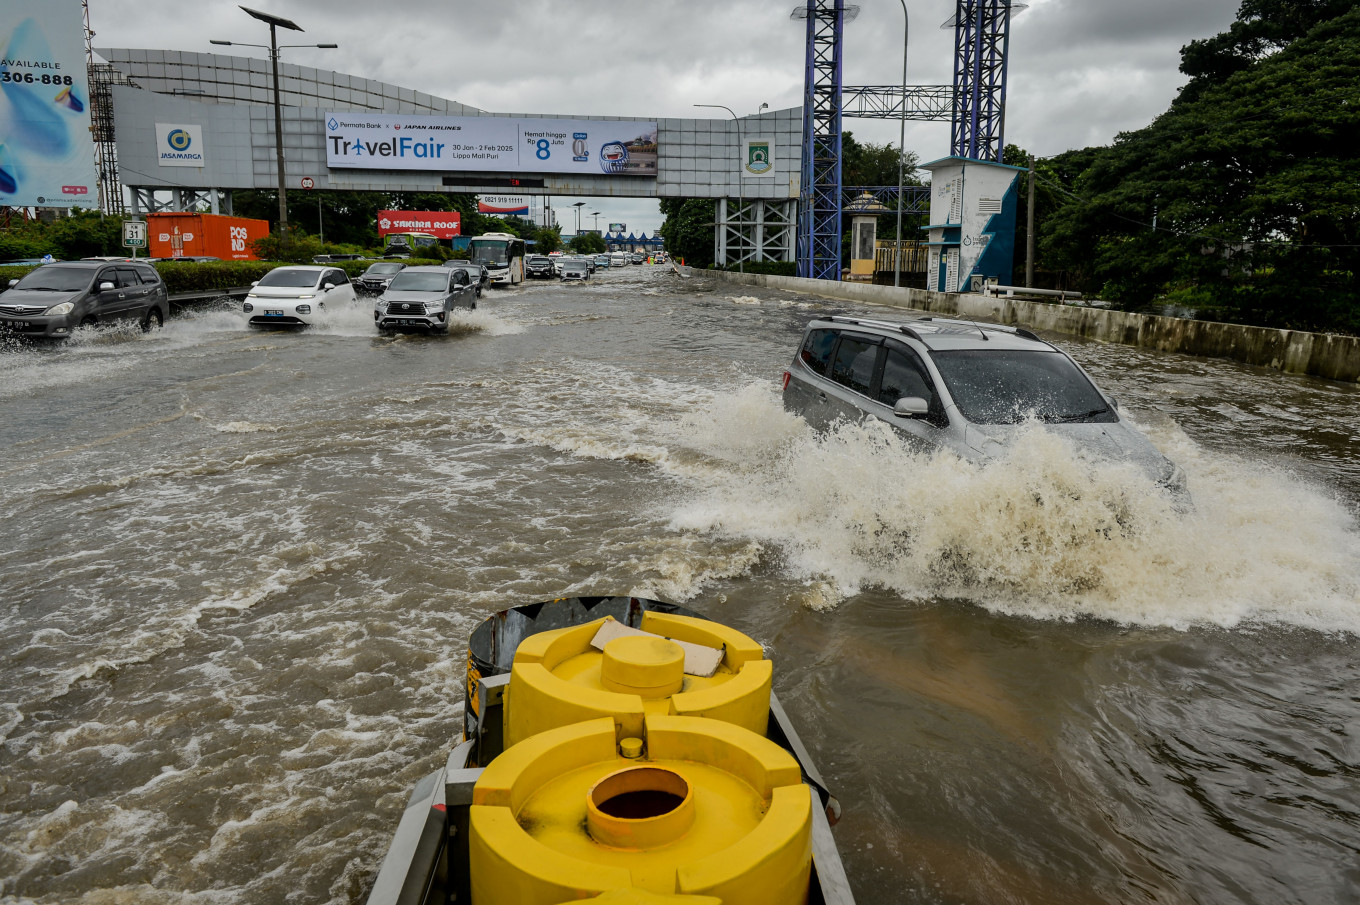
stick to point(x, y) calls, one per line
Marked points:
point(539, 267)
point(54, 299)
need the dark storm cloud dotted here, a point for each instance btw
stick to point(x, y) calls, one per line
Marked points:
point(1081, 70)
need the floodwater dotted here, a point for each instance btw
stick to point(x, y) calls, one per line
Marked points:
point(239, 569)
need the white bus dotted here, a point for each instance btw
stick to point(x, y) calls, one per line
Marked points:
point(503, 256)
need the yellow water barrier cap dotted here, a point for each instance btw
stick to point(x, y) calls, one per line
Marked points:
point(711, 810)
point(559, 677)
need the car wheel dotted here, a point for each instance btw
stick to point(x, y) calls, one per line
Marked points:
point(153, 320)
point(88, 321)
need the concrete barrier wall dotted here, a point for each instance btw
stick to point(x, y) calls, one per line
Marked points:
point(1293, 351)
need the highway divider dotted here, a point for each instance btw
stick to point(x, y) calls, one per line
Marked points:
point(1326, 355)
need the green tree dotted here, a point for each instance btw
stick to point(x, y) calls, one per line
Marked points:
point(548, 239)
point(1249, 181)
point(688, 229)
point(587, 244)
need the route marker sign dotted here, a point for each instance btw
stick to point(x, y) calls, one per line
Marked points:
point(134, 233)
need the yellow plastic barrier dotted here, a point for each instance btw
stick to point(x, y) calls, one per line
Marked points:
point(557, 678)
point(705, 809)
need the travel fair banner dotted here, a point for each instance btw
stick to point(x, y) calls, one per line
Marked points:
point(46, 151)
point(493, 144)
point(440, 224)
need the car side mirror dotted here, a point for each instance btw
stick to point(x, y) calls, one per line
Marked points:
point(255, 283)
point(13, 283)
point(328, 286)
point(911, 407)
point(106, 286)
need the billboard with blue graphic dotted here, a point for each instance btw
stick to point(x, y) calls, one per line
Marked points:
point(179, 145)
point(46, 152)
point(492, 144)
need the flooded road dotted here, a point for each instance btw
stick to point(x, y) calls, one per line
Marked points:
point(239, 569)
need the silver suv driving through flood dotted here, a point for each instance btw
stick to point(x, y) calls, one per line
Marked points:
point(962, 386)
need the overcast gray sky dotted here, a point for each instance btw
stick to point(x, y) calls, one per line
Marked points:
point(1080, 70)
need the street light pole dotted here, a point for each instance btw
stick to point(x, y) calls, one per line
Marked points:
point(901, 148)
point(275, 23)
point(741, 259)
point(578, 205)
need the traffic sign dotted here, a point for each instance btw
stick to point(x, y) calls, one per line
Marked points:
point(308, 182)
point(134, 233)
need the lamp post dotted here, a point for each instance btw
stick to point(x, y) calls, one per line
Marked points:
point(741, 265)
point(596, 215)
point(901, 148)
point(275, 23)
point(578, 205)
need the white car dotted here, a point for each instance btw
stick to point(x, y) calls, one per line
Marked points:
point(296, 296)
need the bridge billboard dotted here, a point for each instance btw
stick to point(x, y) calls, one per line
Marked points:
point(492, 144)
point(46, 152)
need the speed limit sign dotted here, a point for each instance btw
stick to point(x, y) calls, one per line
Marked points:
point(308, 182)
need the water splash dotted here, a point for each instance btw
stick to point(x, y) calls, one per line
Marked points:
point(1045, 532)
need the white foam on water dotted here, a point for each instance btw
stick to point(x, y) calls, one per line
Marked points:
point(1045, 532)
point(744, 300)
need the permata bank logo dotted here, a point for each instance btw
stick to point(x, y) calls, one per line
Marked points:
point(180, 145)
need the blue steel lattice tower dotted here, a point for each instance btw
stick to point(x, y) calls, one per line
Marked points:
point(981, 44)
point(982, 33)
point(819, 219)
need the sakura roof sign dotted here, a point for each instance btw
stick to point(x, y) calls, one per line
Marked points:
point(441, 224)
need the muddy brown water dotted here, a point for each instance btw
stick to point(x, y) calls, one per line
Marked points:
point(238, 570)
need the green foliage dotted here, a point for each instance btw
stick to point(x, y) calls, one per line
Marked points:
point(548, 239)
point(1250, 179)
point(299, 249)
point(688, 229)
point(180, 276)
point(588, 244)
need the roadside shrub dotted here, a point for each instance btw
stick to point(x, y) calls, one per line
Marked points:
point(183, 276)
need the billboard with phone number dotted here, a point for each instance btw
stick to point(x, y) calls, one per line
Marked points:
point(497, 144)
point(46, 152)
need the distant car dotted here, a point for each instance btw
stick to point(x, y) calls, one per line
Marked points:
point(602, 260)
point(54, 299)
point(297, 296)
point(539, 267)
point(327, 259)
point(574, 269)
point(423, 299)
point(481, 277)
point(638, 257)
point(961, 386)
point(375, 279)
point(618, 259)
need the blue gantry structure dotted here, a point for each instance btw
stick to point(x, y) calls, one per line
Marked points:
point(975, 104)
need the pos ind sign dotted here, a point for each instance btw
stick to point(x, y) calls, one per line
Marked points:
point(497, 144)
point(440, 224)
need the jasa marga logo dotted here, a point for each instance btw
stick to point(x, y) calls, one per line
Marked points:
point(180, 142)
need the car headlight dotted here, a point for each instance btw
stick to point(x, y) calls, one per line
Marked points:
point(432, 307)
point(247, 307)
point(380, 305)
point(303, 309)
point(59, 310)
point(310, 295)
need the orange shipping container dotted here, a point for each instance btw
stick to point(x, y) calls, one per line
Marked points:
point(176, 235)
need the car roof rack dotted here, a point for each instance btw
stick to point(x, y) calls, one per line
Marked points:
point(1018, 331)
point(882, 325)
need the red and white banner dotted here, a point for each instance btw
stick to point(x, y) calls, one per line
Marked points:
point(441, 224)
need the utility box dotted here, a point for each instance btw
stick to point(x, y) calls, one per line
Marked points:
point(186, 235)
point(972, 223)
